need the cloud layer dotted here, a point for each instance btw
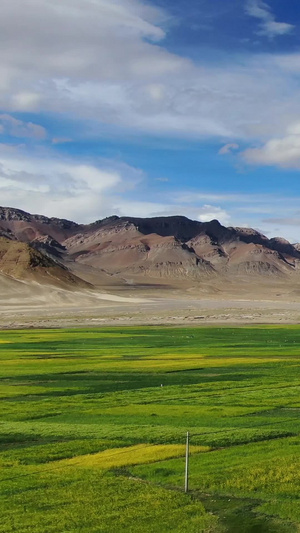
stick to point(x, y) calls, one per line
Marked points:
point(105, 60)
point(105, 65)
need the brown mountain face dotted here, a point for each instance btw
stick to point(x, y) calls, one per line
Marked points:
point(129, 249)
point(122, 249)
point(27, 227)
point(21, 261)
point(179, 248)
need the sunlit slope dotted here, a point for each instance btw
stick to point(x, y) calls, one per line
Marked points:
point(23, 262)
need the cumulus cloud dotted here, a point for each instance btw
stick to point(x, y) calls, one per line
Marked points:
point(268, 25)
point(210, 212)
point(284, 152)
point(228, 148)
point(63, 187)
point(18, 128)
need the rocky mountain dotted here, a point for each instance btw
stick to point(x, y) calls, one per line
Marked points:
point(140, 250)
point(176, 247)
point(21, 261)
point(27, 227)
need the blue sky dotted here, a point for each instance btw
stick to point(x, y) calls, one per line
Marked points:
point(150, 108)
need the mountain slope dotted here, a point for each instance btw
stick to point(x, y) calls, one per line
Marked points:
point(21, 261)
point(131, 249)
point(177, 247)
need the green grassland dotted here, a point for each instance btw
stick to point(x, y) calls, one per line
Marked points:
point(91, 442)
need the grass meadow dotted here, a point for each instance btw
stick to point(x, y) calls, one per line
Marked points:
point(93, 425)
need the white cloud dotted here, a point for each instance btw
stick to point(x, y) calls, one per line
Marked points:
point(71, 39)
point(18, 128)
point(284, 152)
point(104, 60)
point(26, 101)
point(289, 63)
point(210, 212)
point(63, 187)
point(91, 178)
point(228, 148)
point(268, 25)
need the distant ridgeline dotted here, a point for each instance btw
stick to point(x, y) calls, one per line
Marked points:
point(139, 249)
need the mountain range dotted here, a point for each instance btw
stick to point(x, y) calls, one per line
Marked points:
point(132, 251)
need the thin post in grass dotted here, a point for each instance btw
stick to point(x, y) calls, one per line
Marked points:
point(186, 485)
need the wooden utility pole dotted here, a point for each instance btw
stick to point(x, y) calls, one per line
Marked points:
point(186, 485)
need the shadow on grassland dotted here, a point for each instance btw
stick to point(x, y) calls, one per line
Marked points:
point(240, 516)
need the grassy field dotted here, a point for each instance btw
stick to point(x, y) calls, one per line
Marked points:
point(93, 425)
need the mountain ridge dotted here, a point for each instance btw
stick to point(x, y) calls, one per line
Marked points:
point(131, 249)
